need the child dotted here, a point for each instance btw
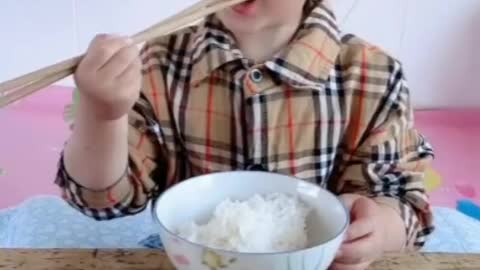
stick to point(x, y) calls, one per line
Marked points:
point(267, 85)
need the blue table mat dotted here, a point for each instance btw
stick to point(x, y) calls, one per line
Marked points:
point(48, 222)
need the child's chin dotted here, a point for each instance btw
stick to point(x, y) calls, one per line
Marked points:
point(238, 24)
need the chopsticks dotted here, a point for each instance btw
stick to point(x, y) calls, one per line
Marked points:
point(23, 86)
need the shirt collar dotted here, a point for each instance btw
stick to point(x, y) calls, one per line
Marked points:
point(305, 63)
point(213, 46)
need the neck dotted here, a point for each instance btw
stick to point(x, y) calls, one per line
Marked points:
point(253, 45)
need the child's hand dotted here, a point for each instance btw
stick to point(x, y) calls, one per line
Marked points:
point(365, 238)
point(109, 77)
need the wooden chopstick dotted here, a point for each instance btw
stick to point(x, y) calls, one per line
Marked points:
point(29, 83)
point(32, 88)
point(173, 23)
point(45, 72)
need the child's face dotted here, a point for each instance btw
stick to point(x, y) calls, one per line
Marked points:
point(258, 15)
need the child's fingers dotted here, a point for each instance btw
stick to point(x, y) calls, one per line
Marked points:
point(339, 266)
point(102, 48)
point(357, 252)
point(359, 228)
point(348, 200)
point(131, 73)
point(362, 213)
point(120, 62)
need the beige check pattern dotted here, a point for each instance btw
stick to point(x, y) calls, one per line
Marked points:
point(330, 110)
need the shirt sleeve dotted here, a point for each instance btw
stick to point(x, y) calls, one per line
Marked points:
point(148, 171)
point(390, 161)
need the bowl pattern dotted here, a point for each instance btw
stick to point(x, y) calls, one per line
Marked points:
point(187, 256)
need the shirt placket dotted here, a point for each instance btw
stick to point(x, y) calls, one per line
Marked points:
point(255, 83)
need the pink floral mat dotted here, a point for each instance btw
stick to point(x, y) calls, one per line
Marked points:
point(455, 135)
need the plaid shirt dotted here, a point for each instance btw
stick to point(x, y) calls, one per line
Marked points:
point(328, 109)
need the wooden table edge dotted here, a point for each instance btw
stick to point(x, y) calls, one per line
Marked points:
point(148, 259)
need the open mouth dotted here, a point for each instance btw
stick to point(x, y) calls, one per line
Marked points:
point(247, 8)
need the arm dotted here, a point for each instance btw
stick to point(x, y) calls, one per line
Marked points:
point(388, 166)
point(97, 152)
point(113, 168)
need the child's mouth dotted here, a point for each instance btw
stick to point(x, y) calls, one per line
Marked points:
point(247, 8)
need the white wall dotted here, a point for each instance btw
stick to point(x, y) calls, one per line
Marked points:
point(435, 39)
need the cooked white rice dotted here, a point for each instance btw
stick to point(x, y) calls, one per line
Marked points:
point(264, 223)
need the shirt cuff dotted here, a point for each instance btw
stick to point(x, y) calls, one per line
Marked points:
point(110, 199)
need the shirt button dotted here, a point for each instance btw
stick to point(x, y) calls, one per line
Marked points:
point(256, 76)
point(256, 167)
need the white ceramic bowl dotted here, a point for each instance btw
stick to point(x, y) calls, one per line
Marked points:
point(196, 199)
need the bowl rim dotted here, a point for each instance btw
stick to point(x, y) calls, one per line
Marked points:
point(232, 252)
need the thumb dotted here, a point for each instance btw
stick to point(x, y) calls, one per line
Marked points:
point(348, 200)
point(362, 224)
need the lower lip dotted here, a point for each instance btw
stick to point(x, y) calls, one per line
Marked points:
point(246, 9)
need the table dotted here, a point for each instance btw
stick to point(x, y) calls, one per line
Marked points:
point(55, 259)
